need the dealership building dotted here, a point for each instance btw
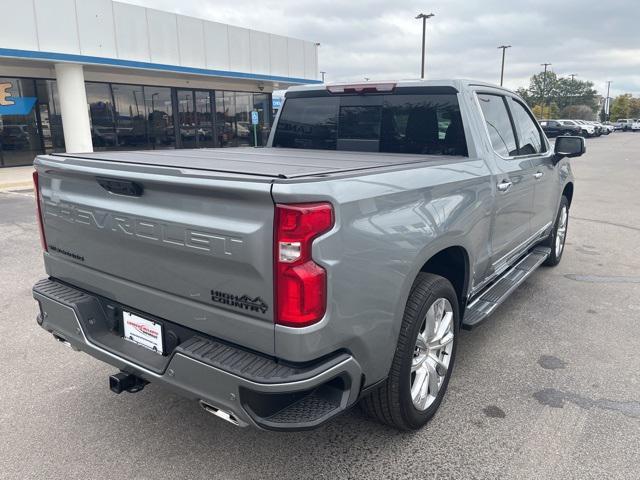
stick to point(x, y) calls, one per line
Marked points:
point(84, 75)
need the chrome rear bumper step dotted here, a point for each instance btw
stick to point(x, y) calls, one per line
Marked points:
point(479, 309)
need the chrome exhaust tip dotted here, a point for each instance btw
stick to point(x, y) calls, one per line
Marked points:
point(63, 341)
point(223, 414)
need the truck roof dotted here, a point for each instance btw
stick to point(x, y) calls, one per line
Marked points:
point(458, 83)
point(261, 162)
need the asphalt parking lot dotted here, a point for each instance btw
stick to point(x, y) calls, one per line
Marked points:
point(549, 387)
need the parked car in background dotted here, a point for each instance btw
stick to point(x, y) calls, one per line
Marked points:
point(597, 129)
point(608, 127)
point(554, 128)
point(600, 127)
point(586, 130)
point(629, 124)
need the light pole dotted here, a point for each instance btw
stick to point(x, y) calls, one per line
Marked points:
point(322, 73)
point(607, 115)
point(544, 86)
point(572, 75)
point(504, 48)
point(424, 36)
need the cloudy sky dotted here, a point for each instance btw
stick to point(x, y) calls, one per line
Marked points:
point(598, 40)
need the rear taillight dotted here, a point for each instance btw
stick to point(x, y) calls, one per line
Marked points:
point(300, 283)
point(36, 189)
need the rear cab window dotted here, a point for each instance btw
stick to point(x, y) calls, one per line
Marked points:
point(420, 120)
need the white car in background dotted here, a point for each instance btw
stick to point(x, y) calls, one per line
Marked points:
point(586, 129)
point(632, 124)
point(604, 128)
point(607, 128)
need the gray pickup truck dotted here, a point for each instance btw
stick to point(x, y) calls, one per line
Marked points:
point(278, 286)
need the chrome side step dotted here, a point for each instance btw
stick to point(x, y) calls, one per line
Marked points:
point(479, 309)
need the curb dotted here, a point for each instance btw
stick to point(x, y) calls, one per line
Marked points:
point(9, 186)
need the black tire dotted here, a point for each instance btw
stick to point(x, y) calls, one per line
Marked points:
point(554, 258)
point(391, 403)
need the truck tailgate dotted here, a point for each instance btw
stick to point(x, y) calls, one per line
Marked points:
point(192, 249)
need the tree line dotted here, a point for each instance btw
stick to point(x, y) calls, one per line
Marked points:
point(552, 96)
point(564, 97)
point(625, 106)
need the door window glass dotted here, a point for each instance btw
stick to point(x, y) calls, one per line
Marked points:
point(498, 123)
point(529, 136)
point(204, 119)
point(225, 119)
point(186, 119)
point(131, 127)
point(101, 115)
point(50, 116)
point(244, 129)
point(160, 128)
point(262, 104)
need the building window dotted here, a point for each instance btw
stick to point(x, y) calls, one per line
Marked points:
point(225, 119)
point(20, 139)
point(233, 118)
point(130, 115)
point(262, 105)
point(101, 114)
point(204, 119)
point(50, 116)
point(160, 129)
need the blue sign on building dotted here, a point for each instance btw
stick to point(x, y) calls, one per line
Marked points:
point(14, 105)
point(254, 118)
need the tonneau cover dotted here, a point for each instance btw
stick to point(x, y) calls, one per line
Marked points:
point(263, 162)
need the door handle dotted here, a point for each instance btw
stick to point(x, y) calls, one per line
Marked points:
point(504, 185)
point(538, 175)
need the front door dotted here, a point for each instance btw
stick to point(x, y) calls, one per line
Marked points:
point(531, 142)
point(195, 118)
point(514, 183)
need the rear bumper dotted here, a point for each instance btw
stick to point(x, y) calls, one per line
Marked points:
point(255, 389)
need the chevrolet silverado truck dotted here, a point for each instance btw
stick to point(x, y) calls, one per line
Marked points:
point(279, 286)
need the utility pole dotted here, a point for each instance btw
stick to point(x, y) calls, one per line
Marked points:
point(424, 36)
point(572, 75)
point(503, 47)
point(322, 73)
point(606, 103)
point(544, 86)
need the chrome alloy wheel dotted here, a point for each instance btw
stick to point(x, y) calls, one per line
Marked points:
point(432, 353)
point(561, 233)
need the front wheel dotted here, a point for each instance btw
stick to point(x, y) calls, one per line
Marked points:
point(558, 235)
point(423, 359)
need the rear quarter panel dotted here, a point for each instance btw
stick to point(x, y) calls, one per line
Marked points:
point(387, 226)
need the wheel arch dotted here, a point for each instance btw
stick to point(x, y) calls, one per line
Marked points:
point(568, 192)
point(451, 263)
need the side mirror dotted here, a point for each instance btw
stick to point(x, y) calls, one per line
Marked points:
point(569, 147)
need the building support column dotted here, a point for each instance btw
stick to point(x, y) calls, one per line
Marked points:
point(73, 107)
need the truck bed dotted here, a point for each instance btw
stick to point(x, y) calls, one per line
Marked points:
point(261, 162)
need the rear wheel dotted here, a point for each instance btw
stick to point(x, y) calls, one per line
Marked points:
point(558, 235)
point(424, 357)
